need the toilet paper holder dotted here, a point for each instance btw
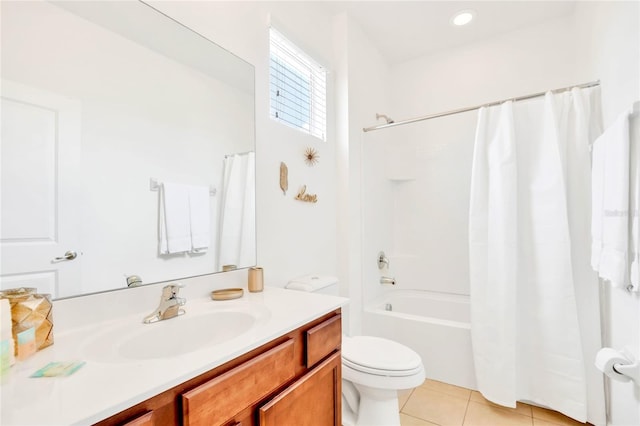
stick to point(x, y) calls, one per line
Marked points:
point(631, 370)
point(618, 365)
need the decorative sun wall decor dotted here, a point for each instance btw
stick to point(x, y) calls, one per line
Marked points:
point(311, 156)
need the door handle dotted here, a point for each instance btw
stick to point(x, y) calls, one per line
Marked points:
point(70, 255)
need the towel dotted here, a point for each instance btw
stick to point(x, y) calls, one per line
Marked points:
point(174, 224)
point(200, 218)
point(610, 203)
point(634, 196)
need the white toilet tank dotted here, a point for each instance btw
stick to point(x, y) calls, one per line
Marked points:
point(322, 284)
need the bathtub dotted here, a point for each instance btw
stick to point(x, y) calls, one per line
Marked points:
point(435, 325)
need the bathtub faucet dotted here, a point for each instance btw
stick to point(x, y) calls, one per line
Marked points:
point(387, 280)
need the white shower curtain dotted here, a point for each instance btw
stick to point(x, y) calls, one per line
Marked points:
point(237, 242)
point(529, 259)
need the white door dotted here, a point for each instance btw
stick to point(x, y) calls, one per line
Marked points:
point(39, 155)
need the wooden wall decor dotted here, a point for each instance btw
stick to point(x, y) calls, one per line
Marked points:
point(303, 196)
point(284, 178)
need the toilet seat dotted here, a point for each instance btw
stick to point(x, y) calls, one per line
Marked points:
point(380, 357)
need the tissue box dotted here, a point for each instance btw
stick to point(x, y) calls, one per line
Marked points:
point(30, 310)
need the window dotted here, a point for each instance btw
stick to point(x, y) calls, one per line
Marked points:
point(298, 87)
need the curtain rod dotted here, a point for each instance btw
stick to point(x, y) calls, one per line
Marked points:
point(457, 111)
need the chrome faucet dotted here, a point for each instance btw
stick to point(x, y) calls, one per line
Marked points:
point(382, 260)
point(169, 305)
point(387, 280)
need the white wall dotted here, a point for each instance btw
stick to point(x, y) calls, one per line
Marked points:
point(294, 238)
point(362, 89)
point(610, 32)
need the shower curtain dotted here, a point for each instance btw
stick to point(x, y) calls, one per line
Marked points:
point(534, 298)
point(237, 242)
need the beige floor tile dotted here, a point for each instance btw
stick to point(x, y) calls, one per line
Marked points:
point(406, 420)
point(487, 415)
point(446, 388)
point(436, 407)
point(403, 397)
point(553, 417)
point(538, 422)
point(521, 408)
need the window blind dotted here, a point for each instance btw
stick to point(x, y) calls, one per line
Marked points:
point(298, 87)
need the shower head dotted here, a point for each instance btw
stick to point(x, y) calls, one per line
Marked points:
point(388, 119)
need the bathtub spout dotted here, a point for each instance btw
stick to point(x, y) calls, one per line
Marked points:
point(387, 280)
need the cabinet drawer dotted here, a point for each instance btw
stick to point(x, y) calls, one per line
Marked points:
point(144, 420)
point(218, 400)
point(323, 339)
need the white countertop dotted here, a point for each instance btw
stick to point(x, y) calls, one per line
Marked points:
point(106, 386)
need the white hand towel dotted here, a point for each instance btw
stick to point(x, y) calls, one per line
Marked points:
point(634, 195)
point(200, 218)
point(613, 146)
point(174, 226)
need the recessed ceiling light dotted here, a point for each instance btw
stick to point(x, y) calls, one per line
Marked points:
point(462, 18)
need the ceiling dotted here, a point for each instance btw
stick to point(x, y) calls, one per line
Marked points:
point(403, 30)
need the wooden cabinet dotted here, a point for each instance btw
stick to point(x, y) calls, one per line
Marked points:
point(293, 380)
point(145, 419)
point(216, 401)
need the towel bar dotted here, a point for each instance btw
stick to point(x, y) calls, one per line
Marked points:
point(154, 185)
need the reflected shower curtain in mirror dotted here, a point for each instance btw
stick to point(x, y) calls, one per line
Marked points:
point(534, 299)
point(237, 245)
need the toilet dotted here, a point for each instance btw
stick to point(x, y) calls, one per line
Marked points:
point(373, 369)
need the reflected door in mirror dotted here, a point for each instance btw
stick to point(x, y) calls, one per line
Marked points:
point(39, 150)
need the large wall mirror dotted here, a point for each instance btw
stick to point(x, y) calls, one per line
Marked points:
point(127, 149)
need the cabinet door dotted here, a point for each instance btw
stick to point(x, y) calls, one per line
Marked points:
point(313, 400)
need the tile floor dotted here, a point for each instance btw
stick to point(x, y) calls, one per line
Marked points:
point(437, 403)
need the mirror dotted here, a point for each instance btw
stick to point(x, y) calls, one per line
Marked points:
point(119, 126)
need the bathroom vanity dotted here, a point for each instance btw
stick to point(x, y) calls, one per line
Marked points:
point(281, 369)
point(292, 380)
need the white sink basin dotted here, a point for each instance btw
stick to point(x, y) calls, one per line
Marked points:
point(129, 341)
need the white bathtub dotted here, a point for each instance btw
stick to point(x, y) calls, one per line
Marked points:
point(435, 325)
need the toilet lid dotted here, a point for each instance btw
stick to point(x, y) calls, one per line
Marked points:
point(376, 355)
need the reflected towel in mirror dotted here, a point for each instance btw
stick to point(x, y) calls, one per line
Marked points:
point(184, 218)
point(200, 218)
point(174, 227)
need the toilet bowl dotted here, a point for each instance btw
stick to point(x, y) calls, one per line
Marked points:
point(373, 369)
